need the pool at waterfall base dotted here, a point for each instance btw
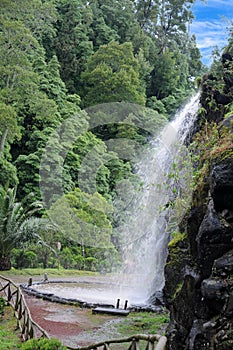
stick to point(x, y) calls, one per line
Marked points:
point(92, 292)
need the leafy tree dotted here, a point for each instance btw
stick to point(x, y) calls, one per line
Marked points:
point(38, 16)
point(82, 216)
point(164, 77)
point(83, 219)
point(172, 18)
point(17, 225)
point(72, 45)
point(100, 32)
point(50, 80)
point(8, 173)
point(117, 21)
point(112, 75)
point(194, 57)
point(146, 12)
point(156, 105)
point(9, 129)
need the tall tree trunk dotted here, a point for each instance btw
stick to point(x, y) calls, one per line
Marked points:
point(3, 141)
point(5, 263)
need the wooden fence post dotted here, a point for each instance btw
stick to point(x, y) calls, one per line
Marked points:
point(161, 343)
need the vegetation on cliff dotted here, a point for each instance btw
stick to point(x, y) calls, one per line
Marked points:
point(199, 287)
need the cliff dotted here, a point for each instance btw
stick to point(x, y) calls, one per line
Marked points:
point(199, 280)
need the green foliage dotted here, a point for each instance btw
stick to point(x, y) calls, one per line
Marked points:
point(83, 218)
point(143, 322)
point(27, 10)
point(55, 272)
point(8, 175)
point(43, 344)
point(2, 305)
point(17, 224)
point(9, 130)
point(104, 51)
point(210, 143)
point(172, 17)
point(164, 77)
point(112, 75)
point(175, 238)
point(72, 29)
point(156, 105)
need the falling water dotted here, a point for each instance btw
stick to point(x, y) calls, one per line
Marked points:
point(152, 214)
point(146, 233)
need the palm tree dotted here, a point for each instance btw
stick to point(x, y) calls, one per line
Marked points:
point(17, 225)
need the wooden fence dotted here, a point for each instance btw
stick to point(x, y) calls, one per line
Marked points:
point(30, 329)
point(14, 297)
point(147, 341)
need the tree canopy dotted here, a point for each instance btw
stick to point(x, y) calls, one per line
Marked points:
point(61, 63)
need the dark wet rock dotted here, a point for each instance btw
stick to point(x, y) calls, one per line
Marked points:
point(147, 308)
point(221, 98)
point(221, 184)
point(224, 265)
point(157, 298)
point(194, 221)
point(197, 339)
point(214, 292)
point(213, 239)
point(199, 292)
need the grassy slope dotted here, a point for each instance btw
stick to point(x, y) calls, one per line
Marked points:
point(9, 334)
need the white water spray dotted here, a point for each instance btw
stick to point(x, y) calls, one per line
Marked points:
point(145, 235)
point(166, 173)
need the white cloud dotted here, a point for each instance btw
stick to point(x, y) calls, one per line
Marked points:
point(220, 3)
point(212, 32)
point(214, 3)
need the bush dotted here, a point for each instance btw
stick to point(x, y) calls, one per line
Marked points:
point(43, 344)
point(2, 305)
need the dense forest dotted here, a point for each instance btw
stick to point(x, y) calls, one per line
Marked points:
point(59, 61)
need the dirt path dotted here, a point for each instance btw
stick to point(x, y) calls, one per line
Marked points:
point(74, 326)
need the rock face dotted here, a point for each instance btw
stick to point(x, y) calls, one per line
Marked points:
point(199, 270)
point(200, 294)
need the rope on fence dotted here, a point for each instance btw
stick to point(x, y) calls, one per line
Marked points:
point(15, 298)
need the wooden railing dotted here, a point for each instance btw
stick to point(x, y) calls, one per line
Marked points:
point(147, 341)
point(30, 329)
point(14, 297)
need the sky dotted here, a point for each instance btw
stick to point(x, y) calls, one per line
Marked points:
point(212, 17)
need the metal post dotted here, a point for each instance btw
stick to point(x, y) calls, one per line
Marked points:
point(118, 304)
point(126, 302)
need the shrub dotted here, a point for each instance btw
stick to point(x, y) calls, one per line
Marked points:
point(43, 344)
point(2, 305)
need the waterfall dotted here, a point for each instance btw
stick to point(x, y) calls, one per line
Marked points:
point(166, 173)
point(147, 216)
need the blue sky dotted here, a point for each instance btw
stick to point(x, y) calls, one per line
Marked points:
point(209, 25)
